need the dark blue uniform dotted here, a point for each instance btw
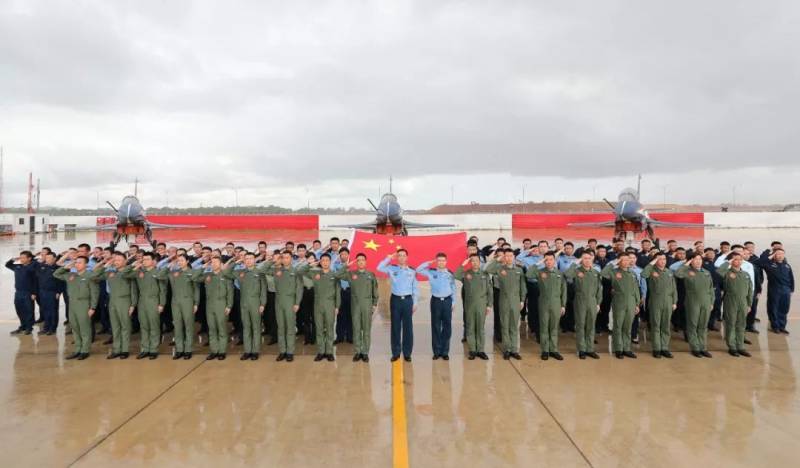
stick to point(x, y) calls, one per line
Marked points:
point(25, 286)
point(47, 295)
point(779, 292)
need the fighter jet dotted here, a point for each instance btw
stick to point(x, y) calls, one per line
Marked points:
point(389, 218)
point(631, 217)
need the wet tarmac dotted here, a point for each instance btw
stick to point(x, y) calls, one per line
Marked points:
point(683, 412)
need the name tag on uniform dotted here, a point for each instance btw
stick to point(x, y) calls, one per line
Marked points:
point(580, 274)
point(618, 276)
point(354, 276)
point(469, 277)
point(691, 273)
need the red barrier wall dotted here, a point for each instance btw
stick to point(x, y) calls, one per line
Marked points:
point(304, 222)
point(563, 220)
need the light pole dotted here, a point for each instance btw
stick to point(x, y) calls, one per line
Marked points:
point(664, 200)
point(236, 197)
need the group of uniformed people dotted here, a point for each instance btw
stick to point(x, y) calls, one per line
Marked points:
point(320, 293)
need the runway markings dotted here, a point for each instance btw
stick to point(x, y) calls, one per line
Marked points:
point(399, 429)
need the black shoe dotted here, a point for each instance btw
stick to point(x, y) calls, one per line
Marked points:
point(319, 357)
point(289, 357)
point(545, 356)
point(746, 341)
point(239, 342)
point(356, 358)
point(667, 354)
point(365, 358)
point(153, 356)
point(394, 358)
point(83, 356)
point(50, 333)
point(331, 358)
point(516, 356)
point(109, 341)
point(27, 332)
point(657, 354)
point(124, 355)
point(337, 341)
point(18, 331)
point(73, 356)
point(483, 356)
point(245, 357)
point(407, 358)
point(506, 355)
point(435, 357)
point(751, 330)
point(618, 354)
point(211, 357)
point(629, 354)
point(177, 356)
point(744, 353)
point(784, 331)
point(187, 356)
point(705, 353)
point(41, 320)
point(68, 332)
point(697, 354)
point(445, 357)
point(471, 356)
point(221, 356)
point(581, 355)
point(557, 356)
point(593, 355)
point(272, 342)
point(142, 355)
point(112, 356)
point(463, 340)
point(281, 357)
point(733, 353)
point(254, 356)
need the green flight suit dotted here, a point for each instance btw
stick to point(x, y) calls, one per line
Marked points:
point(219, 302)
point(327, 299)
point(588, 287)
point(662, 296)
point(699, 286)
point(152, 294)
point(552, 298)
point(625, 297)
point(123, 294)
point(478, 299)
point(288, 294)
point(737, 299)
point(252, 297)
point(83, 295)
point(363, 298)
point(513, 289)
point(185, 297)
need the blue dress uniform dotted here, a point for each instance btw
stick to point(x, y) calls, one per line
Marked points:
point(528, 260)
point(405, 295)
point(443, 290)
point(49, 289)
point(779, 292)
point(24, 288)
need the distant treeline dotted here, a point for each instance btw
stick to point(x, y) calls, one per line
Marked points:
point(229, 210)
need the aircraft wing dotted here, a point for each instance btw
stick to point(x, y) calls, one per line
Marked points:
point(174, 226)
point(597, 225)
point(102, 227)
point(371, 225)
point(653, 222)
point(412, 225)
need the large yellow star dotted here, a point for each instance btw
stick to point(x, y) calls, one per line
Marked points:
point(371, 245)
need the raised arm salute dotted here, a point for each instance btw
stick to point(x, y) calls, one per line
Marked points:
point(552, 303)
point(363, 304)
point(83, 296)
point(122, 298)
point(478, 300)
point(152, 297)
point(403, 303)
point(700, 296)
point(512, 299)
point(588, 296)
point(624, 303)
point(288, 294)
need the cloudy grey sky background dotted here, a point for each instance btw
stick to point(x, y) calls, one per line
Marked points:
point(318, 102)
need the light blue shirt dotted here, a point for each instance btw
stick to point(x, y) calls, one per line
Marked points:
point(336, 265)
point(747, 267)
point(563, 262)
point(403, 279)
point(642, 282)
point(528, 259)
point(442, 282)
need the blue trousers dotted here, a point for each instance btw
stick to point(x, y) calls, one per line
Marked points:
point(441, 324)
point(402, 328)
point(24, 306)
point(344, 321)
point(778, 302)
point(48, 309)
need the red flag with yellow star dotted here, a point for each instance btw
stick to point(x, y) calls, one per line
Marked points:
point(420, 248)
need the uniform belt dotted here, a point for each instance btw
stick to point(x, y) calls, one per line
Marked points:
point(441, 298)
point(401, 297)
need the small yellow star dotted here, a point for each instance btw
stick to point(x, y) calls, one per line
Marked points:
point(371, 245)
point(399, 247)
point(391, 241)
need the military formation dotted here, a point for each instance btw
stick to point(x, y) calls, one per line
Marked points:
point(252, 297)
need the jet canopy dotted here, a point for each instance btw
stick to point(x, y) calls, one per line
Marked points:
point(628, 195)
point(130, 200)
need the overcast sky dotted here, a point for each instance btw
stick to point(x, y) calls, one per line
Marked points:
point(318, 102)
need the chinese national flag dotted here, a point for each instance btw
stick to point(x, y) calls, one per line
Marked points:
point(420, 248)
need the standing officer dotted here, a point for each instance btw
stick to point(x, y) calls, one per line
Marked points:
point(122, 299)
point(288, 294)
point(152, 297)
point(219, 303)
point(185, 301)
point(344, 321)
point(443, 291)
point(624, 303)
point(252, 302)
point(737, 297)
point(478, 302)
point(552, 304)
point(699, 286)
point(50, 289)
point(363, 303)
point(24, 290)
point(327, 300)
point(662, 299)
point(83, 296)
point(270, 319)
point(511, 280)
point(588, 287)
point(779, 289)
point(403, 303)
